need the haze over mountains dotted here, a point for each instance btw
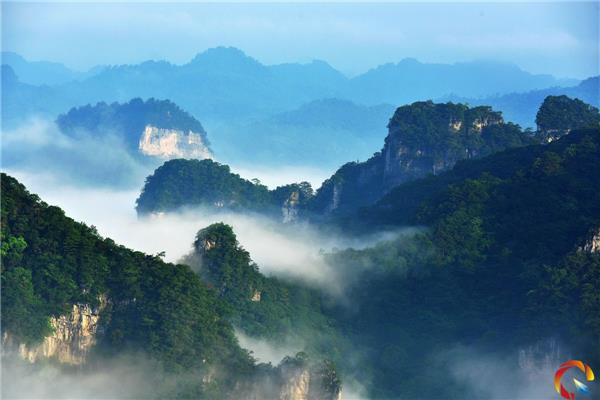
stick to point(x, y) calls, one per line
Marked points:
point(446, 241)
point(240, 100)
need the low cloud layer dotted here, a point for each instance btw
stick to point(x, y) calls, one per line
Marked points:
point(523, 375)
point(39, 146)
point(292, 251)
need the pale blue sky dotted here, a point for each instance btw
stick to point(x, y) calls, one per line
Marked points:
point(556, 38)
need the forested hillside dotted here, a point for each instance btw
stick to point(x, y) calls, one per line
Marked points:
point(51, 262)
point(423, 138)
point(206, 183)
point(53, 266)
point(509, 260)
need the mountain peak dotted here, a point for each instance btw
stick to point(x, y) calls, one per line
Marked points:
point(222, 54)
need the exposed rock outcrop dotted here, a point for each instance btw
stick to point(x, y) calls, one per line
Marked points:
point(593, 244)
point(73, 336)
point(289, 209)
point(150, 128)
point(301, 381)
point(173, 143)
point(414, 149)
point(424, 138)
point(295, 378)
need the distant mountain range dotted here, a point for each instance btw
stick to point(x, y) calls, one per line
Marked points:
point(327, 132)
point(43, 72)
point(521, 107)
point(298, 113)
point(225, 82)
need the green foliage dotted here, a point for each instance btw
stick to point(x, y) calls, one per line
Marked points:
point(424, 138)
point(560, 114)
point(179, 183)
point(262, 306)
point(500, 266)
point(566, 299)
point(128, 119)
point(446, 130)
point(23, 312)
point(51, 262)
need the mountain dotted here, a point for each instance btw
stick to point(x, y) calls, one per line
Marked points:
point(558, 115)
point(410, 80)
point(157, 128)
point(505, 273)
point(521, 108)
point(21, 100)
point(54, 266)
point(110, 145)
point(508, 266)
point(206, 183)
point(226, 84)
point(42, 72)
point(73, 299)
point(324, 132)
point(424, 138)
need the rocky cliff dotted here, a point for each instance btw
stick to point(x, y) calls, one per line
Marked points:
point(295, 378)
point(173, 143)
point(306, 383)
point(423, 138)
point(154, 128)
point(73, 336)
point(592, 245)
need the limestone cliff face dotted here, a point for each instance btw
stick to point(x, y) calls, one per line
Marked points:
point(424, 138)
point(593, 244)
point(305, 383)
point(172, 143)
point(289, 209)
point(291, 200)
point(296, 387)
point(405, 160)
point(73, 337)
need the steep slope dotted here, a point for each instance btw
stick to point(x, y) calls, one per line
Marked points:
point(424, 138)
point(71, 297)
point(558, 115)
point(55, 269)
point(521, 108)
point(401, 205)
point(262, 306)
point(206, 183)
point(507, 267)
point(152, 127)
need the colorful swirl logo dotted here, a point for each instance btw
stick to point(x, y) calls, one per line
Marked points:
point(579, 387)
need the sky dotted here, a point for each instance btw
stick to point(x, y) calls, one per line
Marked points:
point(559, 38)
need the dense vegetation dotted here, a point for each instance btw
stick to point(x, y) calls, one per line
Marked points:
point(128, 119)
point(180, 183)
point(559, 114)
point(424, 138)
point(261, 306)
point(522, 107)
point(50, 261)
point(178, 318)
point(500, 266)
